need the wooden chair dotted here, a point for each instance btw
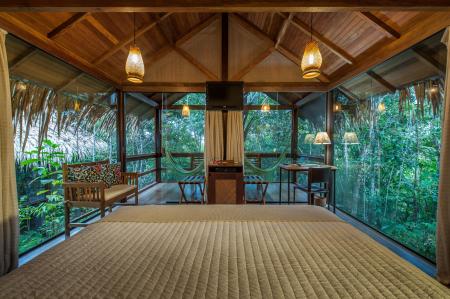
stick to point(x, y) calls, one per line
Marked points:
point(95, 195)
point(318, 183)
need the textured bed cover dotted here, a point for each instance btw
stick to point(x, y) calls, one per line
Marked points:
point(246, 251)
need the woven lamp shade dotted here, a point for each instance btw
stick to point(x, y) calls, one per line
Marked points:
point(265, 108)
point(185, 112)
point(134, 66)
point(350, 138)
point(322, 138)
point(311, 61)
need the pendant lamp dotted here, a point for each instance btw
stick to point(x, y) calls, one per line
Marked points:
point(312, 59)
point(134, 66)
point(185, 112)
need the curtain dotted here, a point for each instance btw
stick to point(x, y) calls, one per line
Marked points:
point(9, 227)
point(213, 136)
point(443, 210)
point(235, 136)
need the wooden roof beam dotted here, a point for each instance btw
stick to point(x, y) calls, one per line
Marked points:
point(253, 63)
point(308, 98)
point(348, 93)
point(66, 25)
point(322, 39)
point(429, 60)
point(282, 50)
point(29, 53)
point(68, 82)
point(380, 80)
point(26, 32)
point(128, 40)
point(421, 30)
point(220, 6)
point(296, 103)
point(144, 99)
point(379, 24)
point(102, 30)
point(283, 29)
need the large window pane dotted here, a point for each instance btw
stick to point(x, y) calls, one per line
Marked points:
point(140, 126)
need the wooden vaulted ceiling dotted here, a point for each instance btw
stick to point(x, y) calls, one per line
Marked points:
point(182, 50)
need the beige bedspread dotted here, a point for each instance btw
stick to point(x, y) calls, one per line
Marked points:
point(242, 254)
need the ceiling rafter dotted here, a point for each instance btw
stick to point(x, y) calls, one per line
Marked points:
point(29, 53)
point(379, 24)
point(282, 50)
point(100, 28)
point(68, 82)
point(253, 63)
point(420, 31)
point(297, 102)
point(348, 93)
point(66, 25)
point(429, 60)
point(40, 40)
point(322, 39)
point(381, 80)
point(129, 39)
point(188, 57)
point(283, 29)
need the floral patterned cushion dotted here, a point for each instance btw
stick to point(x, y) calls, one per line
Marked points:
point(111, 174)
point(86, 174)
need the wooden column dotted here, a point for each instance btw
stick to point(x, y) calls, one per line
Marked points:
point(224, 47)
point(329, 151)
point(294, 136)
point(121, 146)
point(158, 144)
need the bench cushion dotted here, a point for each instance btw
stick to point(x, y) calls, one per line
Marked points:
point(116, 191)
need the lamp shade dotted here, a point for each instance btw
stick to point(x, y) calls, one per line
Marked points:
point(185, 111)
point(381, 107)
point(309, 138)
point(322, 138)
point(311, 61)
point(134, 66)
point(337, 107)
point(265, 107)
point(350, 138)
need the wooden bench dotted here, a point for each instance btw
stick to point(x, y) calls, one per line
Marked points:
point(95, 195)
point(196, 180)
point(260, 183)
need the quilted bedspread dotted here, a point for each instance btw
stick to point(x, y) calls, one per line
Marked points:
point(242, 251)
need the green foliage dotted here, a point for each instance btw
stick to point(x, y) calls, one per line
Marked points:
point(390, 180)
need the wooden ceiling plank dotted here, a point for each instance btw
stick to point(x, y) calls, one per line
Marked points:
point(128, 40)
point(282, 50)
point(66, 25)
point(382, 81)
point(220, 6)
point(283, 29)
point(253, 63)
point(39, 40)
point(30, 53)
point(430, 61)
point(68, 82)
point(421, 30)
point(338, 51)
point(196, 29)
point(189, 58)
point(379, 24)
point(102, 30)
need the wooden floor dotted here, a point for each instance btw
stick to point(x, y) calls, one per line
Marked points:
point(169, 193)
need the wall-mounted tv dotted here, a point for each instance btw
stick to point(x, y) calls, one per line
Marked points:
point(227, 95)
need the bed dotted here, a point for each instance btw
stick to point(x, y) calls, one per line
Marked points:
point(218, 251)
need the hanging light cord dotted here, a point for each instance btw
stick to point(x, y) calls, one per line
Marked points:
point(134, 28)
point(310, 25)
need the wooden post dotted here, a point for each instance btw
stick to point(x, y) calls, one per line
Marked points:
point(224, 47)
point(329, 151)
point(121, 146)
point(294, 136)
point(158, 144)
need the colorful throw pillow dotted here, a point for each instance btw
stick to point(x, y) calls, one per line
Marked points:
point(111, 174)
point(86, 174)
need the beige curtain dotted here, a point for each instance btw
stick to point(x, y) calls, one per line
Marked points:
point(213, 136)
point(235, 136)
point(9, 228)
point(443, 211)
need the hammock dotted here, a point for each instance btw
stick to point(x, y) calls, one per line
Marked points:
point(262, 171)
point(174, 165)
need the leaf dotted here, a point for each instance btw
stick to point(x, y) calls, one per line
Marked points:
point(29, 162)
point(42, 192)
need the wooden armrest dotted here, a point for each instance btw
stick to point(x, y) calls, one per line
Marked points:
point(81, 191)
point(130, 178)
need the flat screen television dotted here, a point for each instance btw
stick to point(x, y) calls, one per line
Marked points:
point(228, 95)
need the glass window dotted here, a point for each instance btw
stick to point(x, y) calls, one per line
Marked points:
point(388, 178)
point(140, 126)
